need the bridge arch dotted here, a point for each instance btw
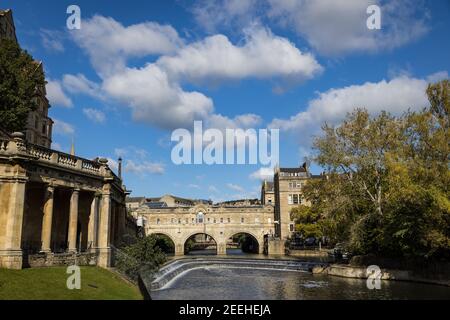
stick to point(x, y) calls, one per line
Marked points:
point(207, 243)
point(258, 242)
point(168, 236)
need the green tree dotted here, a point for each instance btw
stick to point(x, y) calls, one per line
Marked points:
point(386, 189)
point(142, 256)
point(164, 243)
point(308, 222)
point(20, 78)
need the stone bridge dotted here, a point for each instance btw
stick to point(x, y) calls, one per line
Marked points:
point(218, 222)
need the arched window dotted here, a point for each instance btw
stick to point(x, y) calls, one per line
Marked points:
point(200, 217)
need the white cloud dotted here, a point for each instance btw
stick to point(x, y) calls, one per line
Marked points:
point(395, 96)
point(80, 84)
point(213, 189)
point(338, 27)
point(94, 115)
point(52, 40)
point(156, 100)
point(193, 186)
point(143, 168)
point(332, 27)
point(62, 128)
point(262, 55)
point(213, 14)
point(109, 44)
point(56, 95)
point(262, 174)
point(154, 91)
point(137, 161)
point(235, 187)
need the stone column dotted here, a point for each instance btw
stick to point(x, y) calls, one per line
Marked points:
point(12, 202)
point(179, 249)
point(46, 236)
point(93, 223)
point(104, 246)
point(113, 223)
point(121, 221)
point(73, 220)
point(221, 248)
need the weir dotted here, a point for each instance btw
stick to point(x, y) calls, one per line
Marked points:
point(179, 267)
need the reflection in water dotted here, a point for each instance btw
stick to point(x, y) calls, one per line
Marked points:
point(240, 284)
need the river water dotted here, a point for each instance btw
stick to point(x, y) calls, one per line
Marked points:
point(222, 283)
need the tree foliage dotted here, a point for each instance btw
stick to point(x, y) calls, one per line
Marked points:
point(386, 190)
point(143, 256)
point(20, 76)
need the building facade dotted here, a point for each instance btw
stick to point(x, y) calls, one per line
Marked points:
point(55, 208)
point(38, 129)
point(219, 223)
point(288, 194)
point(7, 28)
point(267, 193)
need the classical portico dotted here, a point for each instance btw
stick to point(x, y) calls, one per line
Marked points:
point(55, 206)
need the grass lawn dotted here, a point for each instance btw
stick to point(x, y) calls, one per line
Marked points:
point(50, 284)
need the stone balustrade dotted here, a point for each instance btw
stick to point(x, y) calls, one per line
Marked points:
point(17, 146)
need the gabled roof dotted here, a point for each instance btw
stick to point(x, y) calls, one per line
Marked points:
point(135, 199)
point(155, 205)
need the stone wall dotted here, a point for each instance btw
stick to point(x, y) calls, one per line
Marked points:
point(60, 259)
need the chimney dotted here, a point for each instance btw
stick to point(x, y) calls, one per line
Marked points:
point(120, 168)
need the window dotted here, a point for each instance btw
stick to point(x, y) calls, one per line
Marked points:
point(200, 217)
point(179, 221)
point(209, 220)
point(221, 220)
point(157, 221)
point(290, 199)
point(242, 220)
point(193, 220)
point(295, 198)
point(214, 220)
point(229, 220)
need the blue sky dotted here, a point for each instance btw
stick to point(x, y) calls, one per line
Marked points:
point(136, 70)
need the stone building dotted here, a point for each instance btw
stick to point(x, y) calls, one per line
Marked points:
point(7, 28)
point(267, 193)
point(55, 208)
point(38, 128)
point(288, 191)
point(240, 203)
point(134, 202)
point(167, 200)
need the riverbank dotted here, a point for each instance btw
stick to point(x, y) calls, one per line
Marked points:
point(360, 272)
point(50, 284)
